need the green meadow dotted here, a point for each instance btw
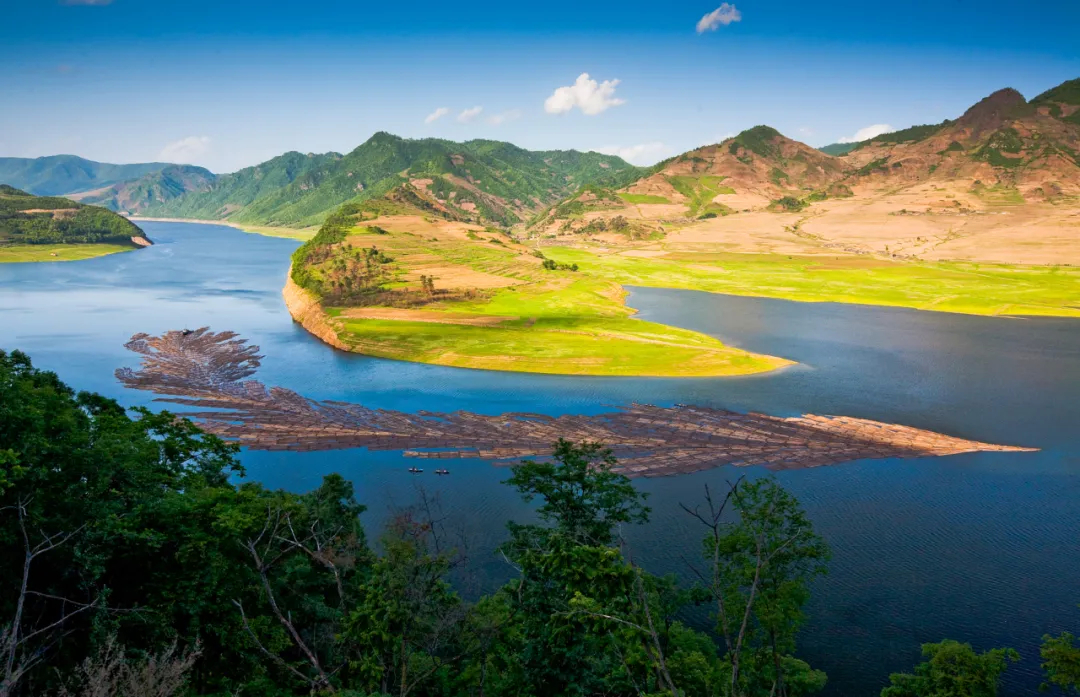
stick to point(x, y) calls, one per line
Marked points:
point(58, 252)
point(977, 289)
point(578, 329)
point(700, 191)
point(643, 198)
point(548, 321)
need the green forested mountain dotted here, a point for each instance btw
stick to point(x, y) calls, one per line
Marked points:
point(150, 189)
point(28, 219)
point(65, 174)
point(836, 149)
point(227, 194)
point(479, 179)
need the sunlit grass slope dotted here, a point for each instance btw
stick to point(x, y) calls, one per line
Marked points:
point(59, 252)
point(524, 318)
point(978, 289)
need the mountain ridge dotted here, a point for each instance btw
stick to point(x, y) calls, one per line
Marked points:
point(482, 180)
point(57, 175)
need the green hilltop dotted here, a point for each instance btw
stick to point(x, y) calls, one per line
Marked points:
point(50, 228)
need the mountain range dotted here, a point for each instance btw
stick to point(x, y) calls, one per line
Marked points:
point(1024, 151)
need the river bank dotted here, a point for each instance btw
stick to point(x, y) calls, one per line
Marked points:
point(289, 233)
point(31, 253)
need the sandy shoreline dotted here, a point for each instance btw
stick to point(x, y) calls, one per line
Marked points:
point(290, 233)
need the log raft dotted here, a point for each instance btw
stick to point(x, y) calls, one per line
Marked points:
point(210, 372)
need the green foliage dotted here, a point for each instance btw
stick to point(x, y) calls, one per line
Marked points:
point(552, 265)
point(779, 177)
point(870, 167)
point(789, 203)
point(838, 149)
point(762, 564)
point(281, 595)
point(906, 135)
point(1067, 92)
point(582, 496)
point(296, 189)
point(643, 198)
point(700, 191)
point(758, 140)
point(1005, 140)
point(59, 221)
point(952, 147)
point(1061, 662)
point(952, 670)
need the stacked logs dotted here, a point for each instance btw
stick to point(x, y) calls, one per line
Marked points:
point(207, 370)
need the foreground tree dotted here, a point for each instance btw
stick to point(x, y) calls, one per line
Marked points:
point(761, 554)
point(952, 669)
point(1061, 662)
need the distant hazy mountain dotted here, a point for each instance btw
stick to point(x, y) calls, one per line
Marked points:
point(29, 219)
point(66, 174)
point(151, 189)
point(231, 194)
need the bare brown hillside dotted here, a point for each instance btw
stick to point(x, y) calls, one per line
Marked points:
point(999, 183)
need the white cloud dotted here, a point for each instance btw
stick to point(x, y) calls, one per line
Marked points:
point(501, 118)
point(186, 150)
point(469, 114)
point(867, 133)
point(643, 154)
point(586, 94)
point(436, 115)
point(721, 16)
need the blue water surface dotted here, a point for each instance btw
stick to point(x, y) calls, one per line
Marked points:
point(980, 547)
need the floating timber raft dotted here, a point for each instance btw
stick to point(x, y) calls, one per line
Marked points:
point(208, 371)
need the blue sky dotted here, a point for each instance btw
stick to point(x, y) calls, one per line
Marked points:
point(230, 84)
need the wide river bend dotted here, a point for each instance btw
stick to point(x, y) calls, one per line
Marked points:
point(982, 548)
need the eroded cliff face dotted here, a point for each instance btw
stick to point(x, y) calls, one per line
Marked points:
point(305, 310)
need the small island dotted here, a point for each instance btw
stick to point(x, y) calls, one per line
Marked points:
point(51, 228)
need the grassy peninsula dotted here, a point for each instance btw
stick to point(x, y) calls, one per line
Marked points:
point(46, 228)
point(423, 289)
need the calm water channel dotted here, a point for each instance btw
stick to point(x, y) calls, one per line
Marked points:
point(983, 548)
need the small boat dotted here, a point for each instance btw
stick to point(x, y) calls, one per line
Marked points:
point(443, 471)
point(415, 470)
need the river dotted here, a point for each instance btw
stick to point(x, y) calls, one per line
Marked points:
point(981, 548)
